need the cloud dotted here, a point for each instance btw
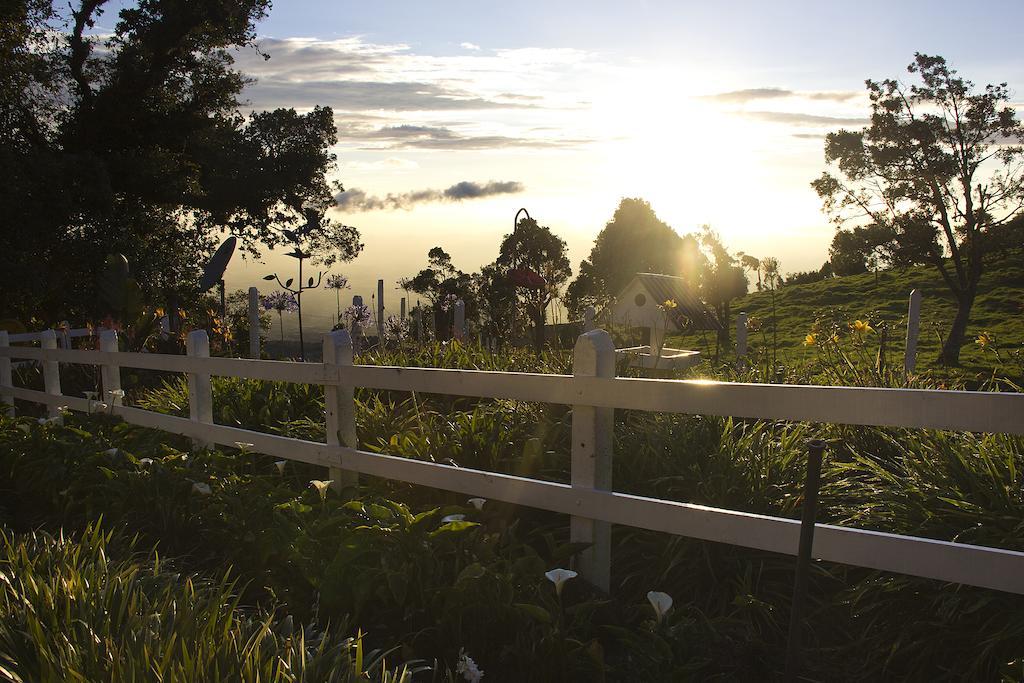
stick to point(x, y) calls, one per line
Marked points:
point(752, 94)
point(802, 119)
point(408, 136)
point(355, 200)
point(389, 164)
point(361, 95)
point(469, 46)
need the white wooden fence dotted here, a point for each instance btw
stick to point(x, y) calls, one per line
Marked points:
point(595, 394)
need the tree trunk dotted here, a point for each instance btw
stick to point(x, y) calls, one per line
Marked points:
point(538, 330)
point(951, 348)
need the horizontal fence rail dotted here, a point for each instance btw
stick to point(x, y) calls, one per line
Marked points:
point(970, 411)
point(986, 567)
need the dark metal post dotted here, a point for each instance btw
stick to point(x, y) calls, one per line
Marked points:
point(815, 448)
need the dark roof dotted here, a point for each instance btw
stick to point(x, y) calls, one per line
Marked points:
point(665, 287)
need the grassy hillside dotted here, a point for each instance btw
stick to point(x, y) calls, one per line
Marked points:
point(883, 298)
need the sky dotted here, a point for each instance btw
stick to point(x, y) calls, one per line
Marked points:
point(452, 115)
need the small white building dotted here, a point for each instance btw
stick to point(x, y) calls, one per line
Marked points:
point(641, 304)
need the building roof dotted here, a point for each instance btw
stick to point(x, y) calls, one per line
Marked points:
point(666, 287)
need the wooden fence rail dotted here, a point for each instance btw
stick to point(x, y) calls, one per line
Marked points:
point(594, 393)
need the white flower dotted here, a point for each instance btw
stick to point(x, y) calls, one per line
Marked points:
point(110, 452)
point(559, 577)
point(661, 602)
point(116, 393)
point(201, 488)
point(146, 462)
point(321, 487)
point(63, 410)
point(452, 518)
point(243, 446)
point(280, 466)
point(468, 668)
point(478, 503)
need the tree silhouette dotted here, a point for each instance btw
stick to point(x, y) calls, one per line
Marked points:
point(936, 169)
point(136, 144)
point(634, 241)
point(535, 259)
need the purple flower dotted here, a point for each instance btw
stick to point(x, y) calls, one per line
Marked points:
point(279, 301)
point(337, 282)
point(357, 314)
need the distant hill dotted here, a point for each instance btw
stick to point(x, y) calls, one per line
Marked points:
point(999, 309)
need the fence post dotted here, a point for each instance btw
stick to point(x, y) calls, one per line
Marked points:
point(110, 374)
point(380, 312)
point(459, 327)
point(51, 370)
point(402, 310)
point(913, 328)
point(357, 329)
point(6, 377)
point(254, 323)
point(339, 401)
point(741, 336)
point(200, 390)
point(592, 445)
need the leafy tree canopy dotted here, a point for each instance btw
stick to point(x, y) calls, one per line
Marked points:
point(940, 166)
point(136, 144)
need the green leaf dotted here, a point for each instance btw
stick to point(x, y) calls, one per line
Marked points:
point(473, 571)
point(452, 527)
point(535, 611)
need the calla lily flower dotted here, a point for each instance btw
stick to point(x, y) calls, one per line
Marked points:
point(110, 452)
point(279, 464)
point(478, 503)
point(321, 487)
point(116, 393)
point(661, 602)
point(243, 446)
point(145, 462)
point(559, 577)
point(452, 518)
point(201, 488)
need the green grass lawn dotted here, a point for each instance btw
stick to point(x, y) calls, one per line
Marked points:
point(883, 298)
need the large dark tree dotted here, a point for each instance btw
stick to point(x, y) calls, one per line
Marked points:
point(634, 241)
point(532, 248)
point(442, 283)
point(136, 144)
point(940, 167)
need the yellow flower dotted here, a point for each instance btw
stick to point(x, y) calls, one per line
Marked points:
point(985, 339)
point(835, 338)
point(669, 304)
point(861, 326)
point(810, 340)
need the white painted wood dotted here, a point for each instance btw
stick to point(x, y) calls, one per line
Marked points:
point(592, 446)
point(380, 311)
point(340, 405)
point(741, 335)
point(200, 390)
point(588, 319)
point(993, 568)
point(915, 408)
point(913, 329)
point(6, 376)
point(254, 323)
point(459, 326)
point(51, 369)
point(110, 372)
